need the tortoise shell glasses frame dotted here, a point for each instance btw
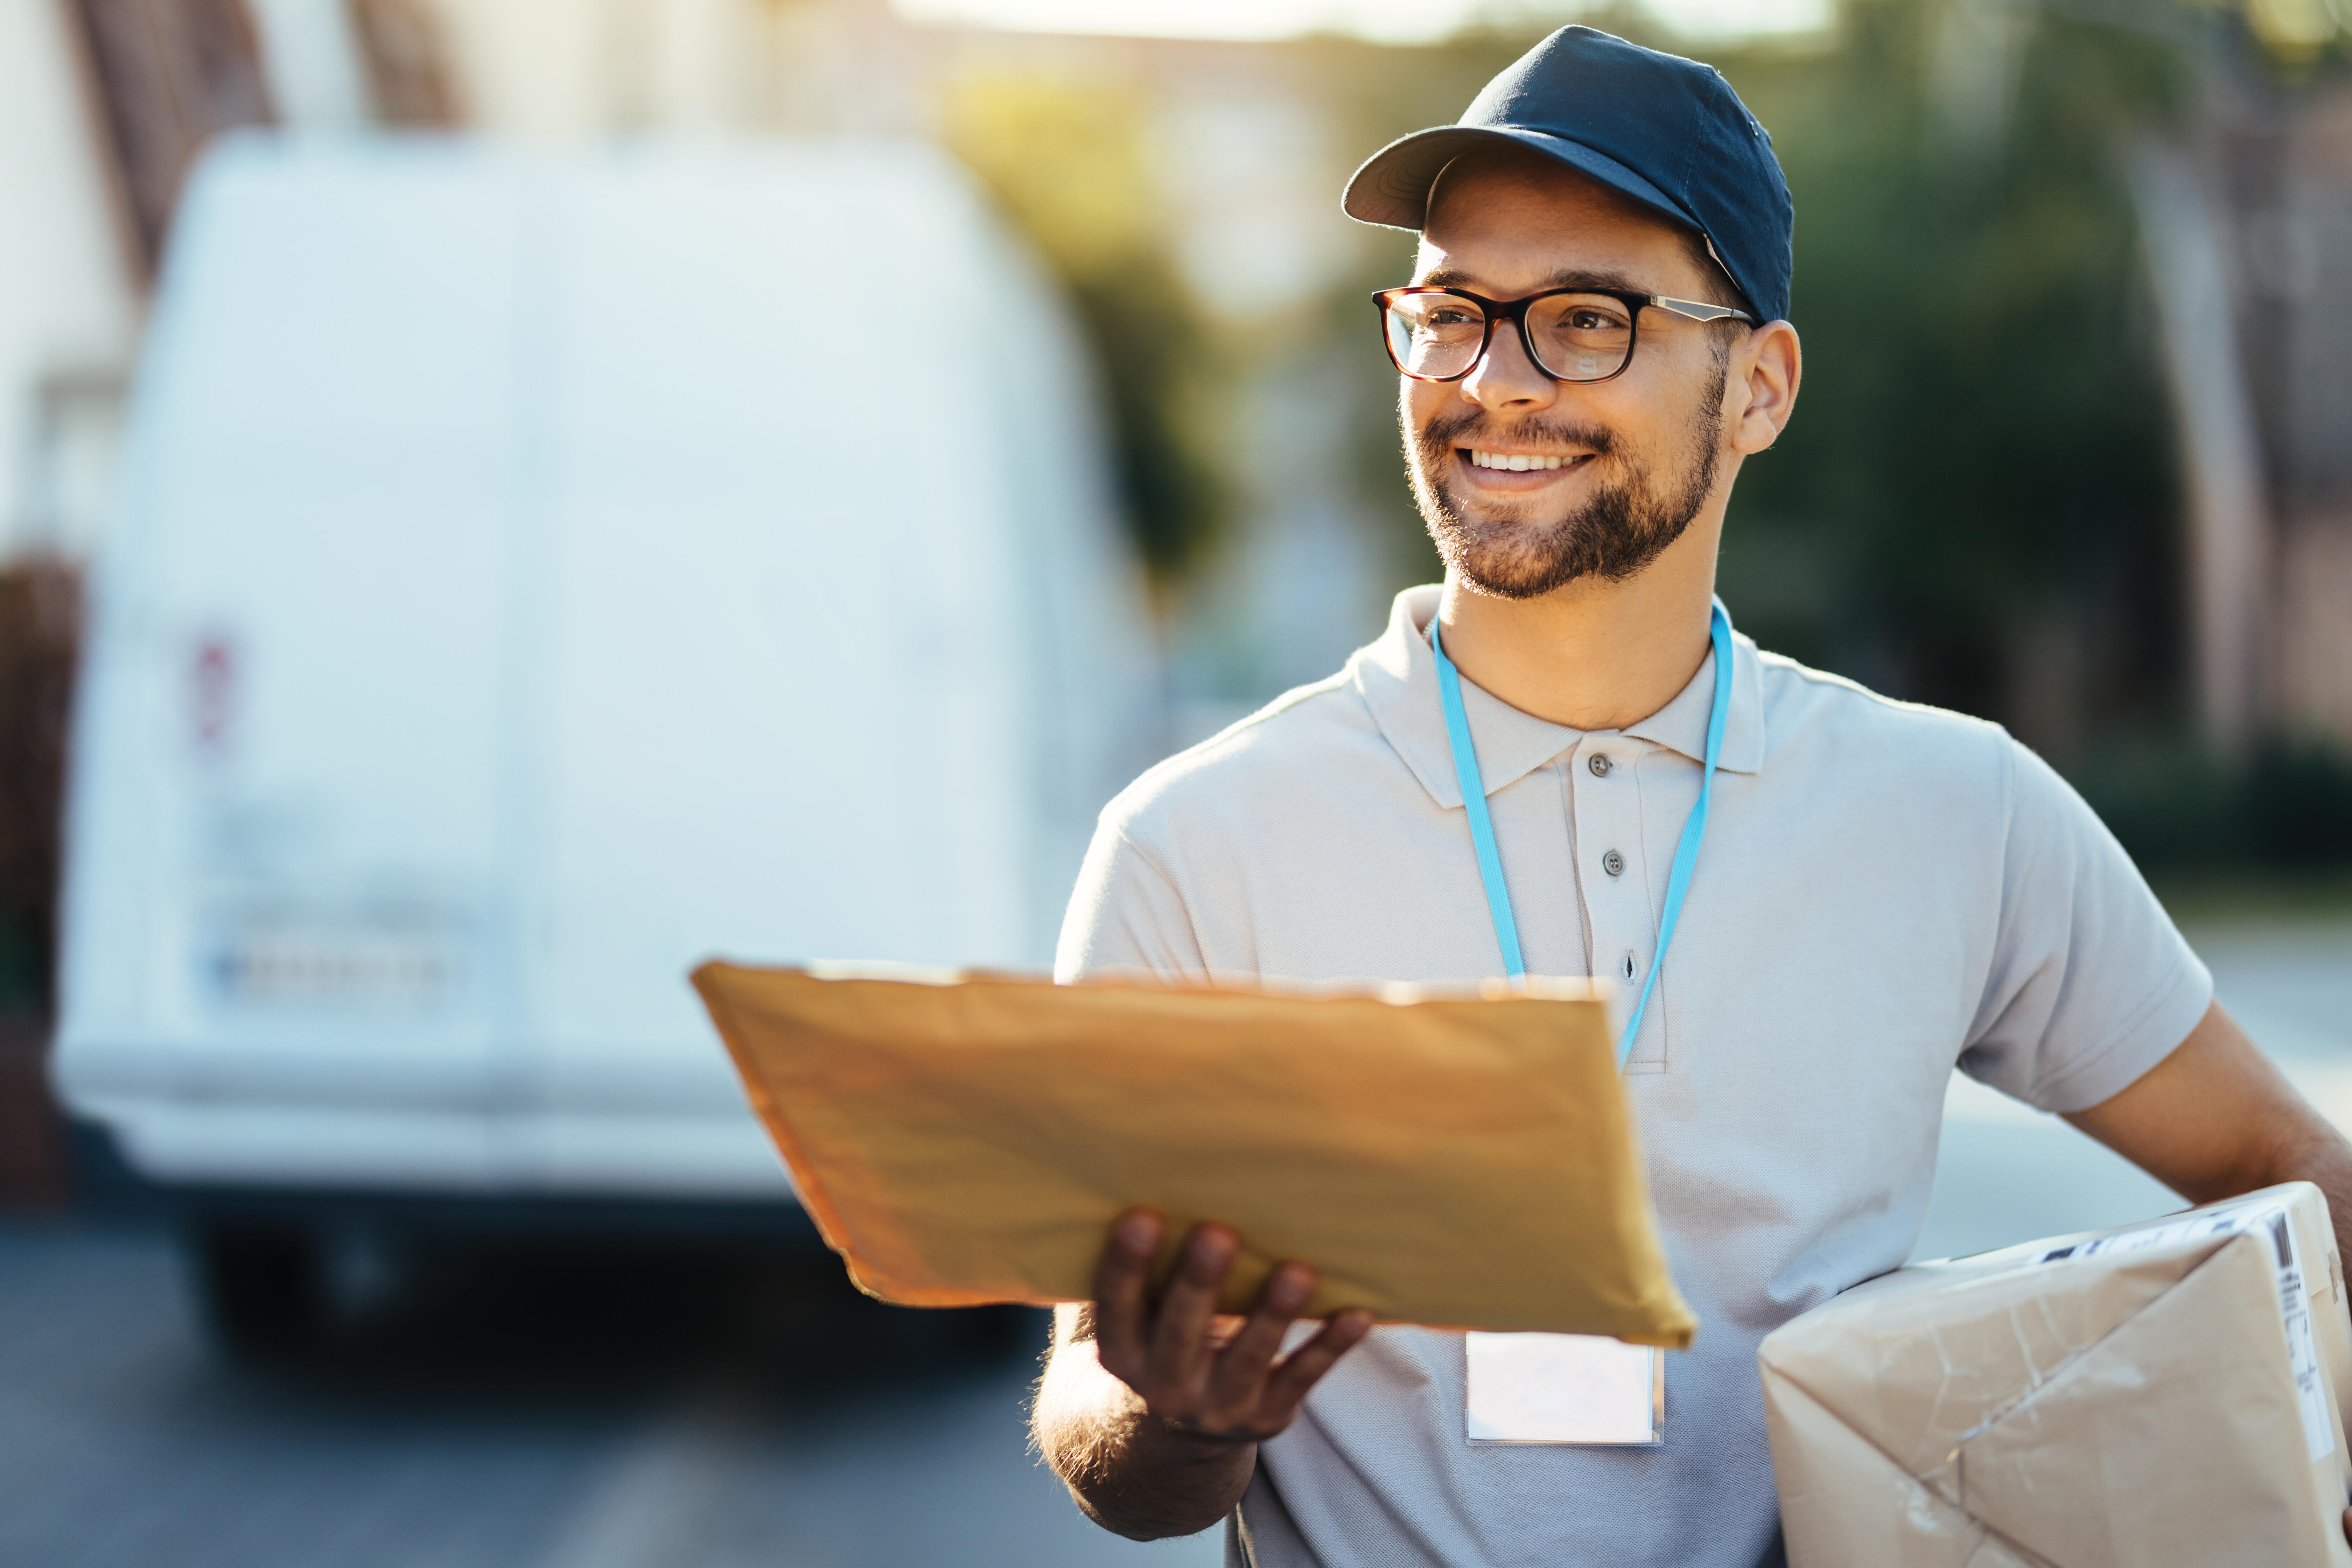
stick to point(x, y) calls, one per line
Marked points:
point(1588, 336)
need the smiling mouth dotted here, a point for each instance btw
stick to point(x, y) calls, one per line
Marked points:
point(1521, 462)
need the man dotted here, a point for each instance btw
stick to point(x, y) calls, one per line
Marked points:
point(1595, 342)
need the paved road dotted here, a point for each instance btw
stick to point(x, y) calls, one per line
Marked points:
point(610, 1412)
point(564, 1411)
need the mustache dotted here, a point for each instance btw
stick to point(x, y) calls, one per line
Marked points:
point(1456, 430)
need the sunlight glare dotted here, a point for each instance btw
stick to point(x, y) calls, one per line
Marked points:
point(1389, 21)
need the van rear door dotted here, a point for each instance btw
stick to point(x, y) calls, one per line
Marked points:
point(790, 713)
point(291, 836)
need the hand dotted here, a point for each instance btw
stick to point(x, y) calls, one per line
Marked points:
point(1213, 1380)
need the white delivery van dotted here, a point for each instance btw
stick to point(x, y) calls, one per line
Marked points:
point(537, 572)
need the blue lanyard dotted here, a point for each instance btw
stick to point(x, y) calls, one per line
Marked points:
point(1481, 824)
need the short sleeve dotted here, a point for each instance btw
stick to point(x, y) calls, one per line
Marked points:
point(2090, 984)
point(1125, 917)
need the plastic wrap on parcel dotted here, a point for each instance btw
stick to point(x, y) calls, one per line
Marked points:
point(1458, 1161)
point(2163, 1395)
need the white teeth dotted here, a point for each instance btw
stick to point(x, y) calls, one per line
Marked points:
point(1518, 463)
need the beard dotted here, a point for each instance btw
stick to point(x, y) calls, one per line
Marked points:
point(1507, 550)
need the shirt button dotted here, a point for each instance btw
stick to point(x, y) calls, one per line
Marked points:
point(1613, 863)
point(1599, 763)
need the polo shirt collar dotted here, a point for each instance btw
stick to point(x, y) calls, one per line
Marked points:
point(1397, 677)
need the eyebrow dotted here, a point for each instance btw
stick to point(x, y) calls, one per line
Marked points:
point(1565, 278)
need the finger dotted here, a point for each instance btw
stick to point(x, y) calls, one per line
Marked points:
point(1299, 1370)
point(1222, 1327)
point(2347, 1524)
point(1179, 1340)
point(1122, 1281)
point(1241, 1368)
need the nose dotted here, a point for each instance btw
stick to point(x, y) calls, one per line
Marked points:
point(1506, 379)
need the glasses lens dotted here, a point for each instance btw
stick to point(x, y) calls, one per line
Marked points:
point(1434, 335)
point(1580, 337)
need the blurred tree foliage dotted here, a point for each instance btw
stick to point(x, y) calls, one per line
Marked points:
point(1975, 501)
point(1068, 157)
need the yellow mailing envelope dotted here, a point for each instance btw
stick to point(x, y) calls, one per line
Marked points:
point(1462, 1160)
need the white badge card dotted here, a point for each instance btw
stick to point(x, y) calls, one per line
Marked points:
point(1581, 1389)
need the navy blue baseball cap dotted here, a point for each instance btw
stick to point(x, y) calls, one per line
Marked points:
point(1667, 132)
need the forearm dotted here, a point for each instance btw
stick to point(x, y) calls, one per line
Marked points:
point(1131, 1473)
point(2319, 1154)
point(2217, 1118)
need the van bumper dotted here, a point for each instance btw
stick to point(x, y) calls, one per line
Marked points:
point(458, 1155)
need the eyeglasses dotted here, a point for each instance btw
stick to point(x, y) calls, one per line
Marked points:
point(1571, 334)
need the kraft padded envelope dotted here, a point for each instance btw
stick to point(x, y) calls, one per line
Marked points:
point(1459, 1160)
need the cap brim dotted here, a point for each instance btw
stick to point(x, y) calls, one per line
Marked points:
point(1392, 187)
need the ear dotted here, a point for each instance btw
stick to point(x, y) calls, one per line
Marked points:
point(1761, 386)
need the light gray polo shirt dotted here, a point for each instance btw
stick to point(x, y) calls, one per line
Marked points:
point(1885, 890)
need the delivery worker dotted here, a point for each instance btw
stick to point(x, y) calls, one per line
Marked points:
point(1813, 902)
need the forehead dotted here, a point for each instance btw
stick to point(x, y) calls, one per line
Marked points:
point(1514, 221)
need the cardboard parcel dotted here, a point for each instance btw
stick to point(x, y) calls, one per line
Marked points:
point(2167, 1394)
point(1460, 1161)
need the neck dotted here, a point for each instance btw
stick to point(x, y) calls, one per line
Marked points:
point(1592, 655)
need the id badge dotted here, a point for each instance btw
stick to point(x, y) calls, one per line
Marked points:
point(1585, 1390)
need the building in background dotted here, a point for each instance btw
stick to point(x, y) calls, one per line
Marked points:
point(2247, 220)
point(69, 290)
point(1198, 228)
point(2117, 238)
point(1234, 170)
point(2283, 176)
